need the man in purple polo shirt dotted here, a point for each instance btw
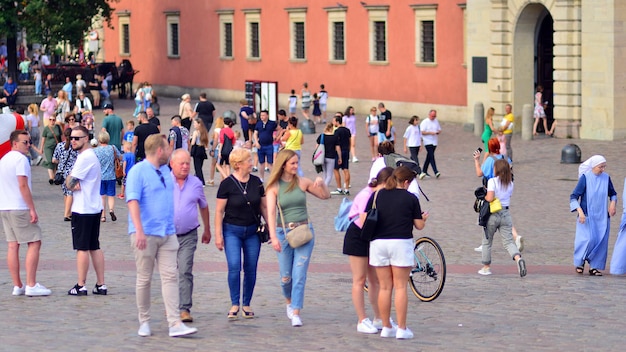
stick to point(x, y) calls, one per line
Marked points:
point(188, 196)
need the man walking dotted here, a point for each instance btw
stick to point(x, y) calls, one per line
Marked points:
point(430, 135)
point(150, 198)
point(342, 162)
point(84, 182)
point(114, 125)
point(263, 141)
point(188, 197)
point(19, 217)
point(206, 111)
point(179, 134)
point(153, 119)
point(142, 131)
point(384, 123)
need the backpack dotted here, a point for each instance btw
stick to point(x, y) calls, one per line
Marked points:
point(341, 220)
point(394, 160)
point(227, 147)
point(481, 206)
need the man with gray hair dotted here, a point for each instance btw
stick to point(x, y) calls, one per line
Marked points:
point(179, 134)
point(188, 197)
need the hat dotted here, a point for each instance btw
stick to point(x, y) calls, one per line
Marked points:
point(108, 106)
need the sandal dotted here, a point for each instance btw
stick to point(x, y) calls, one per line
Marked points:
point(580, 269)
point(103, 219)
point(247, 314)
point(113, 217)
point(595, 272)
point(232, 315)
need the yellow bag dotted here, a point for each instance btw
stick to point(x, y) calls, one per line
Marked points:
point(495, 206)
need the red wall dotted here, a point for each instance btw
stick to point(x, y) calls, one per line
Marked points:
point(200, 65)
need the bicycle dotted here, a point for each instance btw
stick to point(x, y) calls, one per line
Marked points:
point(428, 276)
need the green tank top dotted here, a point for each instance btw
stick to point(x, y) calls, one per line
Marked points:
point(292, 203)
point(486, 133)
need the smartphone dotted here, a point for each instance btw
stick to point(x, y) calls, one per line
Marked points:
point(479, 150)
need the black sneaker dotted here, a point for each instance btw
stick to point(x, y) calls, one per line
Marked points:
point(77, 290)
point(100, 290)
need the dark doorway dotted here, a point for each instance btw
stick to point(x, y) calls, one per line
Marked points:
point(544, 61)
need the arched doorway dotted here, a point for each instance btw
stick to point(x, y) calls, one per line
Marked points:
point(533, 57)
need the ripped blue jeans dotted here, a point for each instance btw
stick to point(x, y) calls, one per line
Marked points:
point(293, 264)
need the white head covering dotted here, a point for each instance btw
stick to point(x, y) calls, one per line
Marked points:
point(590, 163)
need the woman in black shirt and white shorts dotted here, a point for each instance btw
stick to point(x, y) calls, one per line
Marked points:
point(391, 247)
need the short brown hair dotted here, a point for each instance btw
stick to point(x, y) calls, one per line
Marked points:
point(154, 142)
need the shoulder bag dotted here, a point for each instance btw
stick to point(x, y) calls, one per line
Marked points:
point(369, 225)
point(262, 231)
point(58, 176)
point(318, 154)
point(298, 235)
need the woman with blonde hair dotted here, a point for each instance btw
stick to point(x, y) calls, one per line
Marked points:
point(198, 144)
point(293, 138)
point(239, 206)
point(185, 111)
point(33, 128)
point(106, 154)
point(371, 125)
point(63, 108)
point(286, 194)
point(488, 130)
point(215, 152)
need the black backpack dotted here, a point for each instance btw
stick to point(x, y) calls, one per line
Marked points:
point(227, 147)
point(394, 160)
point(481, 206)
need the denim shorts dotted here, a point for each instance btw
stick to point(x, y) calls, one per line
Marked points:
point(107, 188)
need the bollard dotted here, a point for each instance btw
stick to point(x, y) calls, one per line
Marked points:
point(527, 122)
point(307, 126)
point(570, 154)
point(231, 114)
point(479, 119)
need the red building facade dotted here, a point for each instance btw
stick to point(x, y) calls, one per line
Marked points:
point(409, 54)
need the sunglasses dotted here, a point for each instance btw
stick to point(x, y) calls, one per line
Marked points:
point(26, 142)
point(76, 138)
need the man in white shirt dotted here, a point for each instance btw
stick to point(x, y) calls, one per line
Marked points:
point(430, 134)
point(84, 182)
point(19, 217)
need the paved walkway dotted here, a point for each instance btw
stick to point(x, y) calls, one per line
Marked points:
point(551, 309)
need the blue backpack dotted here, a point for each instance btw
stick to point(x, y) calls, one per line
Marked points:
point(341, 220)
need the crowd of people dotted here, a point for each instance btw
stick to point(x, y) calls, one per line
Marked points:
point(165, 201)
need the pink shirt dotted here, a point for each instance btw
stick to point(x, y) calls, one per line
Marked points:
point(48, 106)
point(358, 205)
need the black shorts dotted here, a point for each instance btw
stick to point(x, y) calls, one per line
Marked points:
point(86, 231)
point(345, 161)
point(353, 244)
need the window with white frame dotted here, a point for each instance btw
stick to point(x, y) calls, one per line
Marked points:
point(336, 34)
point(124, 32)
point(297, 33)
point(425, 30)
point(173, 34)
point(253, 33)
point(378, 33)
point(226, 33)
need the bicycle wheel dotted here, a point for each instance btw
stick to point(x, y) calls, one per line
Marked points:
point(429, 274)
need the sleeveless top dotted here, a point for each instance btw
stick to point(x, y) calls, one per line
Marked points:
point(292, 203)
point(293, 142)
point(487, 132)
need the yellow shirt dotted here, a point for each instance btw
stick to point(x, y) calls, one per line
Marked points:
point(511, 119)
point(293, 142)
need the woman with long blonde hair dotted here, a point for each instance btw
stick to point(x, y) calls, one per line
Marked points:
point(198, 144)
point(488, 130)
point(215, 152)
point(286, 194)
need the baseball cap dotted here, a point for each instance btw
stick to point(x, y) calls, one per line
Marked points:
point(108, 106)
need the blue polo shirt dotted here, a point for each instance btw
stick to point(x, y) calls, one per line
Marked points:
point(155, 194)
point(244, 122)
point(266, 132)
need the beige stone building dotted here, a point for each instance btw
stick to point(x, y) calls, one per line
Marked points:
point(570, 47)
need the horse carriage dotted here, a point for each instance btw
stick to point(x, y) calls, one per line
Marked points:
point(121, 77)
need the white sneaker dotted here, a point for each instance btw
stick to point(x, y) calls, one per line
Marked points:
point(422, 175)
point(388, 332)
point(144, 330)
point(404, 334)
point(182, 330)
point(519, 242)
point(19, 291)
point(355, 160)
point(366, 327)
point(479, 248)
point(289, 312)
point(378, 324)
point(37, 290)
point(295, 321)
point(484, 271)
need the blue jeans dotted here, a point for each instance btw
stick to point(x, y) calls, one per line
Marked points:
point(293, 264)
point(38, 87)
point(238, 239)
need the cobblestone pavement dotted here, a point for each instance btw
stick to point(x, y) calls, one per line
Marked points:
point(551, 309)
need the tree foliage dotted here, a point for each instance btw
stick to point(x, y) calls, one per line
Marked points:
point(53, 21)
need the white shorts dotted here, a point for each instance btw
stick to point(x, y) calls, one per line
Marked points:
point(394, 252)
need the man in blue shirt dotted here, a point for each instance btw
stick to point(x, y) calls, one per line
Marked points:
point(10, 91)
point(188, 197)
point(150, 198)
point(263, 140)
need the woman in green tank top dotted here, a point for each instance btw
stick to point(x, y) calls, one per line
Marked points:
point(489, 128)
point(284, 187)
